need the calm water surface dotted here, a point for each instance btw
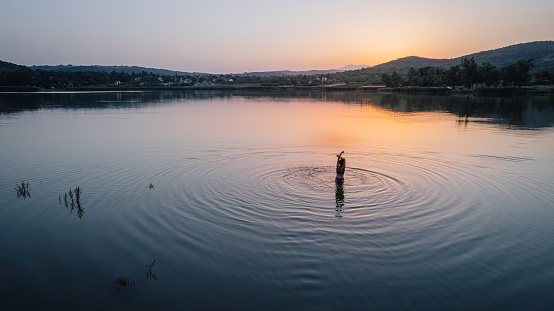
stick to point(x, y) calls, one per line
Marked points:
point(447, 203)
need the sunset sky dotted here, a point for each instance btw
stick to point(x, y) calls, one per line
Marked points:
point(220, 36)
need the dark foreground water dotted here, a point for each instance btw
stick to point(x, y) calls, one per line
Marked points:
point(219, 201)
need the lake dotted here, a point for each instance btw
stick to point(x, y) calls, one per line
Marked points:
point(220, 200)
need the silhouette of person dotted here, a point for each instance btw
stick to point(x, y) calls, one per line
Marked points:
point(341, 167)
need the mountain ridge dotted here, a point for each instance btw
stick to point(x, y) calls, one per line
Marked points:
point(139, 69)
point(541, 51)
point(116, 68)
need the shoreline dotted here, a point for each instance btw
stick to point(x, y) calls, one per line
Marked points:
point(485, 91)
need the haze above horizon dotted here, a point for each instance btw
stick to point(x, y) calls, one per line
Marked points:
point(246, 36)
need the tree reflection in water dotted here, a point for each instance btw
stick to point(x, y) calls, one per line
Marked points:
point(123, 284)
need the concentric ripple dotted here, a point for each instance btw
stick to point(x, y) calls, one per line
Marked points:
point(398, 189)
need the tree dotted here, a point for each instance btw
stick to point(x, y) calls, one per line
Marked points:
point(386, 78)
point(518, 74)
point(413, 77)
point(469, 72)
point(453, 76)
point(523, 69)
point(542, 78)
point(430, 76)
point(489, 74)
point(19, 77)
point(397, 79)
point(394, 80)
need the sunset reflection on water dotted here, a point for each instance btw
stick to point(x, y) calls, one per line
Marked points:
point(436, 190)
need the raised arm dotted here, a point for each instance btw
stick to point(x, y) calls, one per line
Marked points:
point(339, 157)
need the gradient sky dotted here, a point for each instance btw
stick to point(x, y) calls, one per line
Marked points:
point(224, 36)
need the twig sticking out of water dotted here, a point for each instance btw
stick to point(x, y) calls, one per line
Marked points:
point(149, 274)
point(75, 196)
point(151, 186)
point(23, 190)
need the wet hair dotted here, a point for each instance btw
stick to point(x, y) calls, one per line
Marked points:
point(341, 161)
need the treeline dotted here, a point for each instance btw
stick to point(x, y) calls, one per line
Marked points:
point(470, 75)
point(66, 79)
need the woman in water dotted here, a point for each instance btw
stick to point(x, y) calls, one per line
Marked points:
point(341, 167)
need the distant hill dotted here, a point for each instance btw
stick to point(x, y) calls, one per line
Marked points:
point(137, 69)
point(541, 51)
point(352, 67)
point(417, 62)
point(126, 69)
point(14, 75)
point(281, 73)
point(9, 67)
